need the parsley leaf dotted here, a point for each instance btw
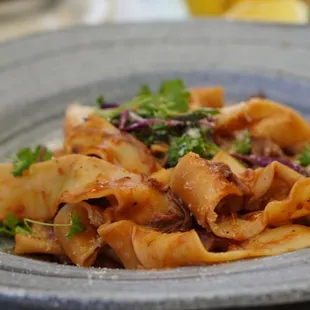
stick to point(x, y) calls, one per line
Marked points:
point(12, 226)
point(26, 230)
point(243, 146)
point(144, 90)
point(76, 226)
point(171, 99)
point(176, 93)
point(100, 101)
point(11, 222)
point(25, 157)
point(304, 157)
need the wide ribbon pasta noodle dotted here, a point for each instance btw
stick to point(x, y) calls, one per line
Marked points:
point(82, 248)
point(139, 247)
point(265, 119)
point(74, 178)
point(271, 183)
point(295, 206)
point(212, 97)
point(41, 241)
point(96, 136)
point(213, 193)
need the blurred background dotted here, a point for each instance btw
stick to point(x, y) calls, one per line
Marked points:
point(23, 17)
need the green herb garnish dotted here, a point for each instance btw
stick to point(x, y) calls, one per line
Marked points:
point(196, 115)
point(144, 90)
point(190, 143)
point(12, 226)
point(75, 225)
point(243, 146)
point(157, 133)
point(171, 99)
point(25, 157)
point(304, 157)
point(100, 101)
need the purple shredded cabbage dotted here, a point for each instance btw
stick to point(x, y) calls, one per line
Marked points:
point(105, 106)
point(142, 123)
point(207, 122)
point(265, 161)
point(151, 121)
point(123, 119)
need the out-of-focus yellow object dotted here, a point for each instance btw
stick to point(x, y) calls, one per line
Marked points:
point(207, 7)
point(285, 11)
point(211, 7)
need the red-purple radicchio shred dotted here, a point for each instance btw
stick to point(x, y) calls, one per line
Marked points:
point(151, 121)
point(105, 106)
point(123, 119)
point(265, 161)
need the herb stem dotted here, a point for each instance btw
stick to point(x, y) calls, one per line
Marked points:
point(26, 221)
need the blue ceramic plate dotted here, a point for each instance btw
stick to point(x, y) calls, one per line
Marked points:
point(40, 75)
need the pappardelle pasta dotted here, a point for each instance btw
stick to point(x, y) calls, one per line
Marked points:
point(168, 179)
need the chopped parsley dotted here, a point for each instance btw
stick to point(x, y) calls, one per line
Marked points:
point(12, 226)
point(25, 157)
point(304, 157)
point(172, 98)
point(164, 117)
point(193, 141)
point(243, 146)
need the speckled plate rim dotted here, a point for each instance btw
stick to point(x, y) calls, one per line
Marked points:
point(37, 68)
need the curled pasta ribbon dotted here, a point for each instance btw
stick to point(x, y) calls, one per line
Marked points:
point(83, 247)
point(295, 206)
point(273, 182)
point(74, 178)
point(211, 97)
point(274, 195)
point(76, 114)
point(119, 238)
point(140, 247)
point(41, 241)
point(194, 180)
point(265, 119)
point(162, 176)
point(96, 136)
point(214, 195)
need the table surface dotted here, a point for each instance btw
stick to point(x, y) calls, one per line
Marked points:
point(24, 17)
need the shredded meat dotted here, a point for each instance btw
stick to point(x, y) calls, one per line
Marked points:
point(266, 148)
point(213, 243)
point(229, 175)
point(168, 223)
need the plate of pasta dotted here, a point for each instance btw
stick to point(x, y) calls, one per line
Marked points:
point(177, 185)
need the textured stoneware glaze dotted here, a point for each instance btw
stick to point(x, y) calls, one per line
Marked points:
point(40, 75)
